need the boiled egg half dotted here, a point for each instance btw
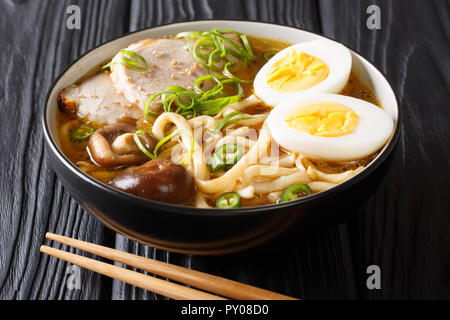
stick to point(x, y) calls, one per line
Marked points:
point(319, 66)
point(330, 127)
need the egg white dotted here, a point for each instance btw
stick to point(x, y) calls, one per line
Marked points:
point(337, 57)
point(372, 131)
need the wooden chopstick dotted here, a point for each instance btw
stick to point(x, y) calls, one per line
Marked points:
point(221, 286)
point(162, 287)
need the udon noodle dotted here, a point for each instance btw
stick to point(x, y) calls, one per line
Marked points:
point(264, 169)
point(259, 176)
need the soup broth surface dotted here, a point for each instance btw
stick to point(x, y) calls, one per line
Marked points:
point(78, 152)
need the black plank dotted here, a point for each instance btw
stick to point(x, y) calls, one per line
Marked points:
point(404, 228)
point(33, 201)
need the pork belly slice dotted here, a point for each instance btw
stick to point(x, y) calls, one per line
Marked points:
point(97, 99)
point(169, 63)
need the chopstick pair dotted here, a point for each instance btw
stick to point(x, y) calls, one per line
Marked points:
point(218, 287)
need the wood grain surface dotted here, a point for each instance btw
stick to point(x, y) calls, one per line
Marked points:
point(404, 227)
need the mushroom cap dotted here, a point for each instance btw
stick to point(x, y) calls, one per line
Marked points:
point(159, 180)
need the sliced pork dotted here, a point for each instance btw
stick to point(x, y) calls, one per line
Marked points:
point(169, 62)
point(96, 99)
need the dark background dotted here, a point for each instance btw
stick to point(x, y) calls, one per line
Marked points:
point(404, 227)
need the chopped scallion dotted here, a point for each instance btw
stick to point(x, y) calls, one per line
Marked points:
point(141, 146)
point(269, 54)
point(130, 63)
point(191, 104)
point(160, 143)
point(213, 50)
point(228, 120)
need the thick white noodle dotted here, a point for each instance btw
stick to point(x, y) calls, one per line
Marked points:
point(198, 166)
point(336, 178)
point(204, 121)
point(200, 201)
point(266, 179)
point(241, 141)
point(228, 181)
point(318, 186)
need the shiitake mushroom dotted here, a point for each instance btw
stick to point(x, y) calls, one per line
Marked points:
point(159, 180)
point(114, 146)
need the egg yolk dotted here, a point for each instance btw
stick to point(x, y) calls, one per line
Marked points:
point(324, 119)
point(296, 72)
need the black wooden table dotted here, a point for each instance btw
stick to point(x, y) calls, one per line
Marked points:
point(404, 228)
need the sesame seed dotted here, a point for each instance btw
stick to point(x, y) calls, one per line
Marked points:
point(158, 53)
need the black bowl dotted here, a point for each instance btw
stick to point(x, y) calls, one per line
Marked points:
point(214, 231)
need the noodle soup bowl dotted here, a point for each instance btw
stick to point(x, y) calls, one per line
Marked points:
point(215, 231)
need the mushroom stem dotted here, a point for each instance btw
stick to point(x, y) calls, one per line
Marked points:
point(113, 146)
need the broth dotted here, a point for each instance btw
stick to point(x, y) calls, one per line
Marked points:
point(78, 152)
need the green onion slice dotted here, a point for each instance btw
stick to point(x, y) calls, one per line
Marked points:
point(82, 133)
point(247, 47)
point(269, 54)
point(228, 73)
point(228, 120)
point(141, 146)
point(295, 192)
point(129, 62)
point(191, 104)
point(213, 50)
point(228, 200)
point(160, 143)
point(166, 139)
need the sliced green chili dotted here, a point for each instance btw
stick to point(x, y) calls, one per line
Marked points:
point(82, 133)
point(225, 157)
point(295, 192)
point(228, 200)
